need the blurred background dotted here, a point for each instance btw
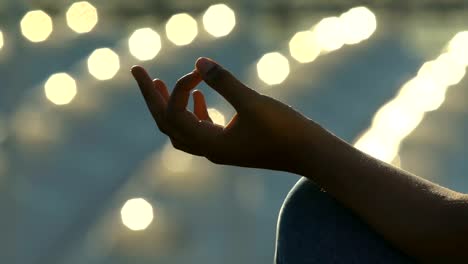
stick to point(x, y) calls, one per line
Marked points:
point(85, 177)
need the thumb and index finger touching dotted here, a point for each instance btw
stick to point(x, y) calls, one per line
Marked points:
point(223, 82)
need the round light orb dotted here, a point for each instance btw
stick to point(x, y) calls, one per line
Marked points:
point(103, 64)
point(137, 214)
point(304, 47)
point(216, 116)
point(219, 20)
point(144, 44)
point(273, 68)
point(458, 47)
point(357, 24)
point(60, 88)
point(36, 26)
point(82, 17)
point(181, 29)
point(329, 34)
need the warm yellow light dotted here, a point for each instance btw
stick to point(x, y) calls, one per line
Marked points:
point(328, 33)
point(137, 214)
point(1, 40)
point(422, 94)
point(175, 160)
point(219, 20)
point(396, 120)
point(103, 64)
point(375, 146)
point(144, 44)
point(304, 47)
point(273, 68)
point(357, 24)
point(181, 29)
point(458, 46)
point(217, 116)
point(36, 26)
point(445, 70)
point(60, 88)
point(82, 17)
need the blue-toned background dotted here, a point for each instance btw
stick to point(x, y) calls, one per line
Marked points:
point(70, 159)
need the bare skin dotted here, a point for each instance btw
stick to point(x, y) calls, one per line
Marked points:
point(425, 220)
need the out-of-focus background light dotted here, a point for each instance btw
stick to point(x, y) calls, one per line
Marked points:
point(273, 68)
point(426, 92)
point(137, 214)
point(181, 29)
point(217, 117)
point(144, 44)
point(219, 20)
point(329, 35)
point(304, 47)
point(60, 88)
point(36, 26)
point(103, 64)
point(458, 47)
point(175, 160)
point(82, 17)
point(357, 24)
point(102, 148)
point(1, 40)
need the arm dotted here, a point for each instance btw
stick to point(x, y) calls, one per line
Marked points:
point(423, 219)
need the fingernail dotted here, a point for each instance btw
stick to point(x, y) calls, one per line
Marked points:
point(204, 65)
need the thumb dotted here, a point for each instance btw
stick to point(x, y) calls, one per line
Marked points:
point(223, 82)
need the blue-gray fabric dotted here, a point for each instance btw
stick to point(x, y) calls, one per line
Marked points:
point(315, 228)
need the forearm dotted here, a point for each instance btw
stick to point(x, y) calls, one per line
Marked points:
point(422, 218)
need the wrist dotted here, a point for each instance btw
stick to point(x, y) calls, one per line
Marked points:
point(318, 152)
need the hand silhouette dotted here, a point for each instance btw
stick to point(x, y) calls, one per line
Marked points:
point(264, 133)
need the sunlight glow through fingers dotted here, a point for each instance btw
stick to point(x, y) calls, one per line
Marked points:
point(217, 117)
point(82, 17)
point(137, 214)
point(36, 26)
point(144, 44)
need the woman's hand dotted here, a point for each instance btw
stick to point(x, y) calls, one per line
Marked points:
point(264, 133)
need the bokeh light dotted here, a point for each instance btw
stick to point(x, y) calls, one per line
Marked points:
point(82, 17)
point(217, 116)
point(1, 40)
point(357, 24)
point(303, 46)
point(36, 26)
point(328, 33)
point(144, 44)
point(394, 121)
point(458, 47)
point(219, 20)
point(103, 64)
point(175, 160)
point(181, 29)
point(137, 214)
point(60, 88)
point(273, 68)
